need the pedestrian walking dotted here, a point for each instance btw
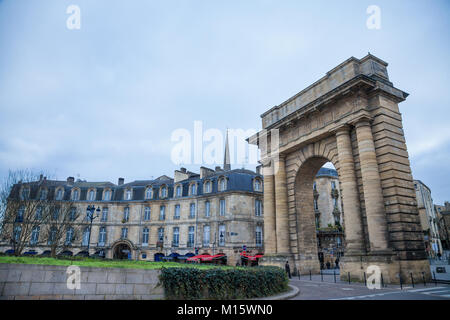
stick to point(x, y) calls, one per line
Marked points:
point(288, 269)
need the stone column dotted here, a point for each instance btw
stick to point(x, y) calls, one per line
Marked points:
point(373, 196)
point(350, 194)
point(281, 209)
point(270, 236)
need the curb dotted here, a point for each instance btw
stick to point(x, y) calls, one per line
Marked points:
point(283, 296)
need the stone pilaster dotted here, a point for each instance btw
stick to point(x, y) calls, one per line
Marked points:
point(373, 196)
point(281, 209)
point(270, 238)
point(350, 194)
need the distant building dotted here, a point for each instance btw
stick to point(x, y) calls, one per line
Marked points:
point(428, 219)
point(328, 213)
point(443, 218)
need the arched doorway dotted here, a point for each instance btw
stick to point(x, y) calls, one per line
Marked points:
point(122, 251)
point(158, 256)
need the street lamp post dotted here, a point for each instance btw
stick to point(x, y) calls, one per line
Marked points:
point(90, 211)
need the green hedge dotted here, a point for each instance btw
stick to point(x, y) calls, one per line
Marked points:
point(217, 283)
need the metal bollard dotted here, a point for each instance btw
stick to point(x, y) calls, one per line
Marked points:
point(435, 280)
point(412, 279)
point(321, 275)
point(348, 277)
point(298, 274)
point(334, 274)
point(365, 280)
point(382, 281)
point(423, 278)
point(401, 284)
point(310, 275)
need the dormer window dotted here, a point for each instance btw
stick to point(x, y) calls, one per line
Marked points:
point(178, 191)
point(75, 194)
point(107, 195)
point(222, 184)
point(207, 186)
point(193, 189)
point(91, 195)
point(257, 185)
point(163, 192)
point(59, 194)
point(128, 194)
point(149, 193)
point(25, 193)
point(43, 194)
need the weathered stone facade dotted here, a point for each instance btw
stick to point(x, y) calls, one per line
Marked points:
point(428, 219)
point(351, 118)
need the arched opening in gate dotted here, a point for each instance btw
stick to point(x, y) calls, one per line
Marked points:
point(122, 251)
point(319, 215)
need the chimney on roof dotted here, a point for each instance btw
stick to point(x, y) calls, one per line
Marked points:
point(41, 176)
point(121, 181)
point(218, 168)
point(183, 169)
point(258, 169)
point(70, 180)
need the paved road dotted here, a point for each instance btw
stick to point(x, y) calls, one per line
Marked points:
point(315, 289)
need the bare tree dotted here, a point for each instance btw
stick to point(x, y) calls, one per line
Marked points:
point(61, 229)
point(22, 209)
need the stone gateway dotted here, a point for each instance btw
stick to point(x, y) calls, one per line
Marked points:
point(350, 118)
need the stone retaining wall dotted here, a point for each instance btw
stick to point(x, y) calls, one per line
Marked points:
point(41, 282)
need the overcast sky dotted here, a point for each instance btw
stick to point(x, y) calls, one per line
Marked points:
point(102, 101)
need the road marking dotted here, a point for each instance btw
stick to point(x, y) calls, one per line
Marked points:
point(427, 289)
point(433, 292)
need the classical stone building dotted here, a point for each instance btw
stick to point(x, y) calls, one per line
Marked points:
point(428, 219)
point(212, 211)
point(443, 218)
point(328, 214)
point(350, 118)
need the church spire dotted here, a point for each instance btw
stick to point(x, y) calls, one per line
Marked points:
point(226, 158)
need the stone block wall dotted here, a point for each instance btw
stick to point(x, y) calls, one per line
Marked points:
point(43, 282)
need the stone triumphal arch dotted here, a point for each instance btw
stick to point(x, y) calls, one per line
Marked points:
point(350, 118)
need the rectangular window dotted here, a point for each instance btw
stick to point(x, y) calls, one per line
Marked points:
point(102, 237)
point(69, 236)
point(85, 237)
point(35, 236)
point(192, 210)
point(161, 235)
point(207, 209)
point(191, 233)
point(222, 207)
point(221, 235)
point(73, 213)
point(145, 236)
point(206, 236)
point(176, 237)
point(162, 213)
point(104, 214)
point(38, 213)
point(126, 214)
point(258, 236)
point(333, 184)
point(20, 213)
point(124, 233)
point(258, 206)
point(177, 212)
point(316, 206)
point(147, 212)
